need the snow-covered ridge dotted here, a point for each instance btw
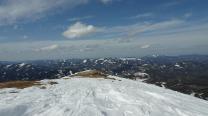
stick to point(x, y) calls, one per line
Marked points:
point(99, 97)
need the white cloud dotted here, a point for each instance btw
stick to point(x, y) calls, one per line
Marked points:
point(145, 15)
point(90, 48)
point(78, 30)
point(15, 27)
point(159, 26)
point(172, 3)
point(195, 42)
point(48, 48)
point(106, 1)
point(126, 33)
point(187, 15)
point(80, 18)
point(12, 11)
point(25, 37)
point(145, 46)
point(133, 30)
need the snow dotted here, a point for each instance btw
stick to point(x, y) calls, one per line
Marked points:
point(163, 84)
point(124, 59)
point(21, 65)
point(193, 94)
point(155, 55)
point(141, 74)
point(99, 97)
point(84, 61)
point(71, 73)
point(85, 71)
point(145, 65)
point(163, 66)
point(7, 66)
point(178, 66)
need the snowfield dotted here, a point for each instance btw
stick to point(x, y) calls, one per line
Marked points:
point(99, 97)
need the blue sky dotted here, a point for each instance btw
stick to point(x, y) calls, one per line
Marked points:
point(51, 29)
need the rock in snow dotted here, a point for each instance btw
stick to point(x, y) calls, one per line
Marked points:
point(99, 97)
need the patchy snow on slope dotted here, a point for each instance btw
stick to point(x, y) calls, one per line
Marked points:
point(99, 97)
point(7, 66)
point(84, 61)
point(21, 65)
point(124, 59)
point(178, 66)
point(141, 74)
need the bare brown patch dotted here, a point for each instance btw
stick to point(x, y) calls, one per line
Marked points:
point(91, 74)
point(19, 84)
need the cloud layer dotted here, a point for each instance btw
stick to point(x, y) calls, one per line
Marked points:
point(48, 48)
point(106, 1)
point(78, 30)
point(145, 46)
point(13, 11)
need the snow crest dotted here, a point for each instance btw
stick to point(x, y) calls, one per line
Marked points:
point(99, 97)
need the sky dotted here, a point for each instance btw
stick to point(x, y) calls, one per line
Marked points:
point(63, 29)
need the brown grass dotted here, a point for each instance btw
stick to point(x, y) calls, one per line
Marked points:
point(19, 84)
point(66, 78)
point(91, 74)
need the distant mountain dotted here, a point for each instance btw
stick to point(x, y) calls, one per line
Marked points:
point(186, 74)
